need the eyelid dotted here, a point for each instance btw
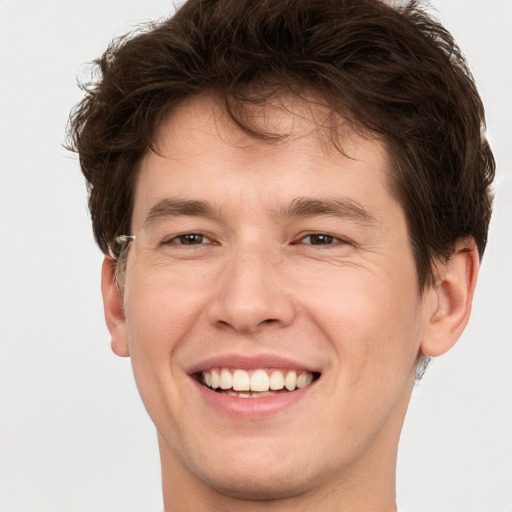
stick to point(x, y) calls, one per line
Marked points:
point(337, 239)
point(208, 239)
point(172, 238)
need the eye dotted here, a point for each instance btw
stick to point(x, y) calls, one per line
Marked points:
point(320, 239)
point(189, 239)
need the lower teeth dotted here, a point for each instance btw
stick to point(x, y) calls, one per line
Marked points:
point(248, 394)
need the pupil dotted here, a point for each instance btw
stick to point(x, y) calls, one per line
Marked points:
point(321, 239)
point(191, 239)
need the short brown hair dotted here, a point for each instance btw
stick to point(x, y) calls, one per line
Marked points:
point(393, 71)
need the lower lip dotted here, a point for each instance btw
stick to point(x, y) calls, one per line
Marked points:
point(252, 407)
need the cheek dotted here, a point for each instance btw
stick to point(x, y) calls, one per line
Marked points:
point(373, 325)
point(158, 317)
point(160, 320)
point(373, 335)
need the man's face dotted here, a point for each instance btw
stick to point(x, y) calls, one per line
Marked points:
point(264, 261)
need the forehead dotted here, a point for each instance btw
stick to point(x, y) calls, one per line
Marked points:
point(202, 154)
point(264, 127)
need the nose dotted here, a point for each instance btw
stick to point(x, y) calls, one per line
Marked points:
point(252, 294)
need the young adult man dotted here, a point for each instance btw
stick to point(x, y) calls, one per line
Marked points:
point(293, 199)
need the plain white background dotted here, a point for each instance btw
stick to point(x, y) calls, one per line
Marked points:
point(74, 436)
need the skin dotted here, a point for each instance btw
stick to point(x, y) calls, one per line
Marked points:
point(349, 309)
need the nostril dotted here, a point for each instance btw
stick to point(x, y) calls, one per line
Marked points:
point(246, 327)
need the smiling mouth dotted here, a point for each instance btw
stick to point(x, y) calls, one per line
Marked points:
point(257, 383)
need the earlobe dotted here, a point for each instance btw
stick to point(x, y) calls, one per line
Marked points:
point(453, 299)
point(113, 309)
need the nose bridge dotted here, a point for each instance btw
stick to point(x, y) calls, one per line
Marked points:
point(252, 291)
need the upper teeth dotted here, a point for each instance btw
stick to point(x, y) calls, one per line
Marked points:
point(257, 380)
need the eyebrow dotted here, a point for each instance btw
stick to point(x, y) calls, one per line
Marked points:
point(304, 207)
point(343, 207)
point(178, 207)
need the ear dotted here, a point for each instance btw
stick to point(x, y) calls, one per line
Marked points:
point(453, 296)
point(113, 308)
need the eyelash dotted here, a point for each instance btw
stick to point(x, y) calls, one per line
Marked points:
point(174, 239)
point(334, 240)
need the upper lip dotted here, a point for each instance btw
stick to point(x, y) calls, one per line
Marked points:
point(248, 362)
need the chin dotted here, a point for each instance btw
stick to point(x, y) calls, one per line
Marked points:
point(248, 469)
point(259, 483)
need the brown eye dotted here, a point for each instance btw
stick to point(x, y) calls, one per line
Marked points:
point(190, 239)
point(319, 239)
